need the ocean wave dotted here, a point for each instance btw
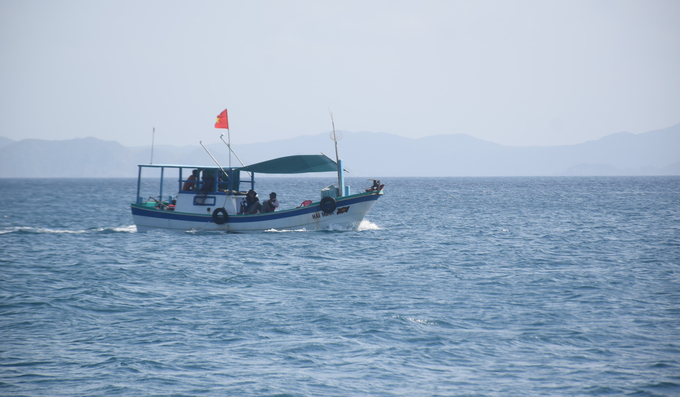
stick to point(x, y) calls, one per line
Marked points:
point(416, 320)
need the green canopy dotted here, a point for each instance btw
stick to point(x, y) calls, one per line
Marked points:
point(294, 165)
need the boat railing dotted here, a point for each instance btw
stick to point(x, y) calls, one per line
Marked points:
point(225, 180)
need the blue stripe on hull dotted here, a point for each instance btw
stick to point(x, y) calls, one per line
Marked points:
point(155, 213)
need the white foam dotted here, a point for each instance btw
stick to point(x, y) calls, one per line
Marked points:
point(417, 320)
point(367, 225)
point(284, 231)
point(128, 229)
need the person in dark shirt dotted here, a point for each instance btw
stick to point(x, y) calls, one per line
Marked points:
point(253, 205)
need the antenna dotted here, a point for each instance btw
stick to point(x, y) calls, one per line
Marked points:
point(153, 135)
point(335, 138)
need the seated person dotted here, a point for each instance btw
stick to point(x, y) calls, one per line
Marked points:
point(253, 205)
point(208, 185)
point(270, 205)
point(189, 185)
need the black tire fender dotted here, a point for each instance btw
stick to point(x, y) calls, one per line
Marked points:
point(328, 204)
point(220, 219)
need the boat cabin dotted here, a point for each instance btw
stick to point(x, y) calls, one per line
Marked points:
point(201, 189)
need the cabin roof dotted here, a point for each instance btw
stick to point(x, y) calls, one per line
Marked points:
point(182, 166)
point(283, 165)
point(294, 165)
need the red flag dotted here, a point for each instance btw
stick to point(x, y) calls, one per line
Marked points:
point(222, 121)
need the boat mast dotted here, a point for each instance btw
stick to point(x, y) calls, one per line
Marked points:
point(335, 139)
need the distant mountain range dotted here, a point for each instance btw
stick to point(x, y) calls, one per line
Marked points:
point(365, 154)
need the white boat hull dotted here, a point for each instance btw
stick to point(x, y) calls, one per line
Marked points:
point(350, 211)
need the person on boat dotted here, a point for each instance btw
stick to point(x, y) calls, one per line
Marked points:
point(270, 205)
point(208, 184)
point(189, 184)
point(253, 205)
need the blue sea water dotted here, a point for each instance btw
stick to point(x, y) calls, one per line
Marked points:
point(453, 286)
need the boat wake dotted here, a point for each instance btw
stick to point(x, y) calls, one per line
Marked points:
point(39, 230)
point(122, 229)
point(338, 227)
point(285, 231)
point(363, 226)
point(42, 230)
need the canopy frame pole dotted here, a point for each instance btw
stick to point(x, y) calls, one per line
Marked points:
point(160, 194)
point(231, 180)
point(139, 182)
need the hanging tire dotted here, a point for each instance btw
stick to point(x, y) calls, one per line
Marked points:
point(220, 216)
point(328, 204)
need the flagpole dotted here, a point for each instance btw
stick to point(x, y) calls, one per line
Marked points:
point(228, 136)
point(225, 125)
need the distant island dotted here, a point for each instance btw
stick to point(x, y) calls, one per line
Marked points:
point(366, 154)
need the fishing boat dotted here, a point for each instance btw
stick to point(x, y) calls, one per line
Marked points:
point(210, 198)
point(213, 198)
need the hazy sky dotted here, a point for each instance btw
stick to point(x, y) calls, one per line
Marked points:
point(511, 72)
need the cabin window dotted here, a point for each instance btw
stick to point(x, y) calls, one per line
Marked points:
point(204, 200)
